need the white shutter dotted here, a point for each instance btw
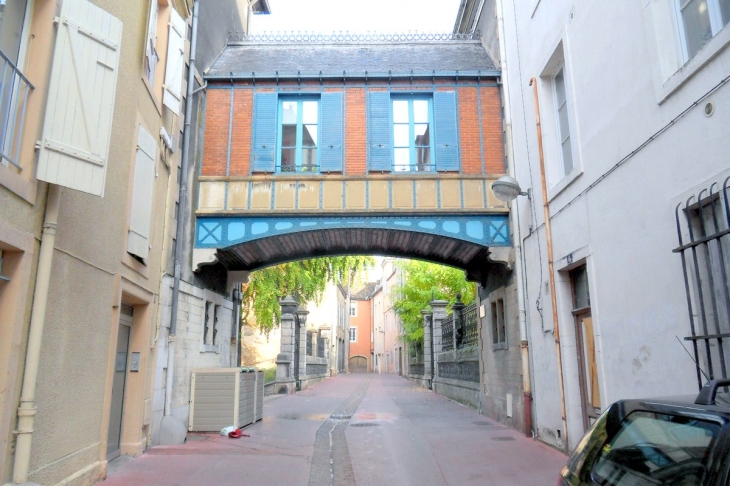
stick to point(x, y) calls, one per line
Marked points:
point(175, 62)
point(151, 42)
point(76, 132)
point(141, 207)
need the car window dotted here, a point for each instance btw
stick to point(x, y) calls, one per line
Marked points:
point(654, 448)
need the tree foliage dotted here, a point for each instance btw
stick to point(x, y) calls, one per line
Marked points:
point(305, 280)
point(423, 282)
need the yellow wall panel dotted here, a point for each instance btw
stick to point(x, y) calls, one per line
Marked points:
point(212, 195)
point(308, 194)
point(261, 196)
point(332, 195)
point(492, 201)
point(402, 194)
point(355, 195)
point(238, 195)
point(285, 195)
point(451, 194)
point(379, 195)
point(426, 194)
point(473, 194)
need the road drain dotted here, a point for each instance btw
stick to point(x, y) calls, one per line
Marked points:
point(503, 439)
point(340, 416)
point(365, 424)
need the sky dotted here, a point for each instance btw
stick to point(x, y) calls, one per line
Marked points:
point(358, 16)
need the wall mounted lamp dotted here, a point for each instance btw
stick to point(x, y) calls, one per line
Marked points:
point(507, 189)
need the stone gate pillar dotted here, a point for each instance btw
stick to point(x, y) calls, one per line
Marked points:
point(438, 309)
point(427, 346)
point(302, 313)
point(285, 360)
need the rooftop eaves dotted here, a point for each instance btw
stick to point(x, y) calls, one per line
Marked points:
point(361, 56)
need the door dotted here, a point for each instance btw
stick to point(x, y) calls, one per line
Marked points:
point(358, 364)
point(585, 343)
point(118, 385)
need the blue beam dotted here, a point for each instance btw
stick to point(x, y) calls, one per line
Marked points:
point(217, 232)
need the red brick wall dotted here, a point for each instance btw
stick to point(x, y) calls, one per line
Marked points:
point(492, 131)
point(355, 132)
point(215, 146)
point(241, 133)
point(217, 119)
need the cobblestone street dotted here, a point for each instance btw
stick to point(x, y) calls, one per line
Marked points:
point(364, 429)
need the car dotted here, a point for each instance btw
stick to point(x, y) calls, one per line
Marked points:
point(677, 441)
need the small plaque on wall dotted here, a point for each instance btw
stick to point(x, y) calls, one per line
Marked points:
point(134, 365)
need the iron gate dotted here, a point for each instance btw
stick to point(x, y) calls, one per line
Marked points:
point(703, 230)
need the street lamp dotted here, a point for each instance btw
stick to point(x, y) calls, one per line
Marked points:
point(507, 189)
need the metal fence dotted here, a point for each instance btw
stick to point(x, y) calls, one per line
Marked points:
point(470, 325)
point(461, 328)
point(310, 335)
point(320, 347)
point(447, 333)
point(14, 91)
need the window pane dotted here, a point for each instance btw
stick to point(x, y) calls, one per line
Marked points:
point(12, 13)
point(400, 111)
point(289, 112)
point(400, 135)
point(423, 159)
point(288, 159)
point(420, 111)
point(309, 136)
point(563, 120)
point(310, 111)
point(402, 159)
point(309, 160)
point(422, 136)
point(725, 9)
point(559, 88)
point(289, 136)
point(697, 28)
point(567, 157)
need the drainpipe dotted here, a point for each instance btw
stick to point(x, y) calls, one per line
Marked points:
point(515, 216)
point(27, 409)
point(551, 267)
point(181, 214)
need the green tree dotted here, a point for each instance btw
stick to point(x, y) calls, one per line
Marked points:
point(421, 282)
point(305, 280)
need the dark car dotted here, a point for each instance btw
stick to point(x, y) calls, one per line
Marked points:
point(677, 441)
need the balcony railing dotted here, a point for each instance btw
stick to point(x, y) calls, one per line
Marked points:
point(15, 89)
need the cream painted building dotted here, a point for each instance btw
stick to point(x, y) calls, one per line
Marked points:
point(91, 135)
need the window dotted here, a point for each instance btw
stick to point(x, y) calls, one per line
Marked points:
point(298, 135)
point(353, 309)
point(563, 124)
point(150, 55)
point(699, 21)
point(353, 334)
point(499, 331)
point(412, 135)
point(210, 326)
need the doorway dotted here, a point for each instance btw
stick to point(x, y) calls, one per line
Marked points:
point(114, 441)
point(585, 342)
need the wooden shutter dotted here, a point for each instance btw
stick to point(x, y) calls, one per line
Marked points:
point(264, 132)
point(175, 62)
point(330, 158)
point(379, 131)
point(76, 132)
point(141, 206)
point(447, 132)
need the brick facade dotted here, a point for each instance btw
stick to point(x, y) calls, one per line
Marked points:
point(473, 139)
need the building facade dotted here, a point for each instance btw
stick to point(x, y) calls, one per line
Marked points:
point(361, 329)
point(614, 123)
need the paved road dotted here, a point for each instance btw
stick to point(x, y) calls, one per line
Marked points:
point(353, 429)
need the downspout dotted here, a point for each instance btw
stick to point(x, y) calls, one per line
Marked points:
point(551, 267)
point(27, 409)
point(181, 214)
point(515, 216)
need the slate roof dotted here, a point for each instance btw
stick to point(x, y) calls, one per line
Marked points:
point(444, 58)
point(365, 292)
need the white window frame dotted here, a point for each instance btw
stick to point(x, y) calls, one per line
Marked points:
point(715, 15)
point(150, 51)
point(353, 309)
point(556, 111)
point(353, 334)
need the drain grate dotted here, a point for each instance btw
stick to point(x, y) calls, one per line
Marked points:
point(503, 439)
point(340, 416)
point(365, 424)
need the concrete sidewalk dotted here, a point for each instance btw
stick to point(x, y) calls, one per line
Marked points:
point(385, 430)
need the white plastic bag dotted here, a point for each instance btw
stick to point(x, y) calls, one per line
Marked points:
point(226, 430)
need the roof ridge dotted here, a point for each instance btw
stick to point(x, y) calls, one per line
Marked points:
point(300, 37)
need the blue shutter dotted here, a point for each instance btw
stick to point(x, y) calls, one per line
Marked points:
point(447, 133)
point(379, 128)
point(330, 152)
point(264, 132)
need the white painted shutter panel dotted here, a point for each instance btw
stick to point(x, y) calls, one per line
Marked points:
point(175, 62)
point(141, 207)
point(77, 128)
